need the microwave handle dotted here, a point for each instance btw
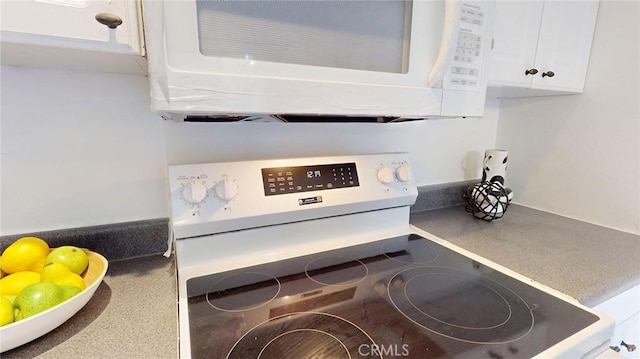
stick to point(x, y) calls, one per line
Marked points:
point(452, 14)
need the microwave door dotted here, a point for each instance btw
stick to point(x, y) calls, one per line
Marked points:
point(448, 46)
point(270, 65)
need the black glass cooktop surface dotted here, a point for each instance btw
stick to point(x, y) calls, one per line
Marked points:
point(400, 297)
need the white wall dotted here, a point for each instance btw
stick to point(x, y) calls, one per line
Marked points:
point(78, 149)
point(441, 150)
point(81, 148)
point(579, 156)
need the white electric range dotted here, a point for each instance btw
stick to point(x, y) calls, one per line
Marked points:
point(315, 258)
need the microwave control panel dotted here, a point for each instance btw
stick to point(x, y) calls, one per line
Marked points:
point(466, 66)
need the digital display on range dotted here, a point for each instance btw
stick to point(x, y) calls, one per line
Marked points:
point(282, 180)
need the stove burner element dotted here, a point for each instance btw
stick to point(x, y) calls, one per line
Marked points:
point(336, 271)
point(230, 293)
point(461, 305)
point(425, 300)
point(416, 253)
point(303, 335)
point(309, 343)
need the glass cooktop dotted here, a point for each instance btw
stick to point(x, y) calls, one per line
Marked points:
point(400, 297)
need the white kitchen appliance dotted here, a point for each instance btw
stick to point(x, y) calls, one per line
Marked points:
point(315, 257)
point(390, 58)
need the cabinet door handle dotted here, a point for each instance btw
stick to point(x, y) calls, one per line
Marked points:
point(110, 20)
point(630, 347)
point(548, 73)
point(531, 72)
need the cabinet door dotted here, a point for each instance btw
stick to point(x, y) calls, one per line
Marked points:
point(515, 37)
point(629, 333)
point(625, 310)
point(564, 44)
point(71, 24)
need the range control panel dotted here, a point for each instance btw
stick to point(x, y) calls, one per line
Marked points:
point(218, 197)
point(281, 180)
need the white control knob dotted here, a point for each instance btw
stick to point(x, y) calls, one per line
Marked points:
point(226, 189)
point(402, 173)
point(385, 175)
point(194, 192)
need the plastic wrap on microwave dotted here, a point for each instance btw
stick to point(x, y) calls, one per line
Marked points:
point(186, 79)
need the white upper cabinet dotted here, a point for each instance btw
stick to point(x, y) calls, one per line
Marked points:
point(69, 34)
point(541, 47)
point(515, 36)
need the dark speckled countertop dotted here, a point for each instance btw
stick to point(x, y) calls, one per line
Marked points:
point(587, 262)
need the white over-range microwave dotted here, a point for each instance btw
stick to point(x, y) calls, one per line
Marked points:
point(392, 58)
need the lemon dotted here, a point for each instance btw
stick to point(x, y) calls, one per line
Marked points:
point(6, 312)
point(25, 254)
point(16, 282)
point(58, 273)
point(10, 298)
point(73, 280)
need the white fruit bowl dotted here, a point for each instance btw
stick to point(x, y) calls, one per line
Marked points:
point(26, 330)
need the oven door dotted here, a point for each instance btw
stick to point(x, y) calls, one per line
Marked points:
point(392, 58)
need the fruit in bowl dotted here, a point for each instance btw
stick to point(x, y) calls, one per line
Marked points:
point(25, 254)
point(6, 311)
point(41, 289)
point(13, 283)
point(37, 298)
point(58, 273)
point(74, 258)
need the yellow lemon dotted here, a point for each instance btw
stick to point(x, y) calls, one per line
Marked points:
point(58, 273)
point(14, 283)
point(73, 280)
point(25, 254)
point(54, 271)
point(6, 312)
point(10, 298)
